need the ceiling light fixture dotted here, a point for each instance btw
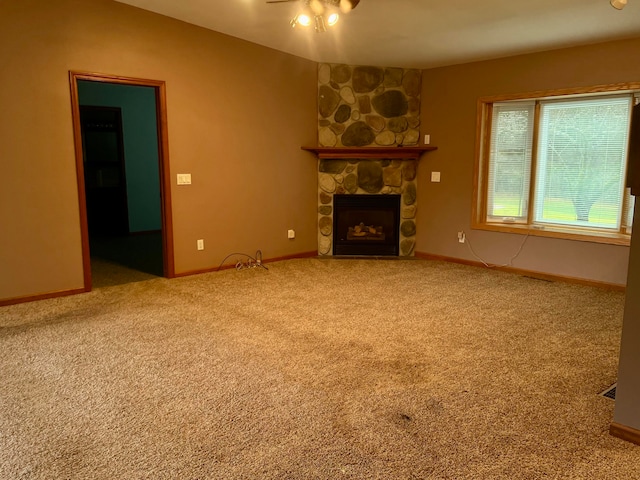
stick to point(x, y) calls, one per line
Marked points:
point(618, 4)
point(318, 13)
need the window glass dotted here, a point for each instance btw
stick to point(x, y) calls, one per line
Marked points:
point(582, 148)
point(510, 160)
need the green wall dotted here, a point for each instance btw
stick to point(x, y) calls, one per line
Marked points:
point(140, 133)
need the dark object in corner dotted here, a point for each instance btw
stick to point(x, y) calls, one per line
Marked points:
point(633, 163)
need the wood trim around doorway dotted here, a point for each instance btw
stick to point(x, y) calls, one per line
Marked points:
point(163, 154)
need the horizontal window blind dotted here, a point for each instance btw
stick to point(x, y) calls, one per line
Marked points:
point(509, 175)
point(581, 164)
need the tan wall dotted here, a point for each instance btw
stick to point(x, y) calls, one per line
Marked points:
point(449, 103)
point(237, 116)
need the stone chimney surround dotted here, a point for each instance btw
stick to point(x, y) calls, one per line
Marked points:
point(368, 170)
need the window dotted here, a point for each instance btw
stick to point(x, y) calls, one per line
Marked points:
point(555, 165)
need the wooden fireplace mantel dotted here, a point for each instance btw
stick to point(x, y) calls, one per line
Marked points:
point(370, 152)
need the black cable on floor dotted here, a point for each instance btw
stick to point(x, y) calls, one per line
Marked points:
point(251, 262)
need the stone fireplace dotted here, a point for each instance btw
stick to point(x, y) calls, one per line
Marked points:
point(368, 135)
point(368, 171)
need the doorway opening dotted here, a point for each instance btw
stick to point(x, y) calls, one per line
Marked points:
point(123, 178)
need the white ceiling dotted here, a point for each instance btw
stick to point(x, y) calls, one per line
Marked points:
point(414, 33)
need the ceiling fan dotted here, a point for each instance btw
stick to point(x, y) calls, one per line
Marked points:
point(345, 5)
point(322, 13)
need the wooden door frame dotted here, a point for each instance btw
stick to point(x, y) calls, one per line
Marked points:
point(163, 160)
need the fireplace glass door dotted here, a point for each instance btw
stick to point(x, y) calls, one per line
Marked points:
point(366, 224)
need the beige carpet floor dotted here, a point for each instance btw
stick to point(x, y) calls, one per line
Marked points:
point(315, 369)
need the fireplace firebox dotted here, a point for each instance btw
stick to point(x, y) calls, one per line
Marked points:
point(366, 225)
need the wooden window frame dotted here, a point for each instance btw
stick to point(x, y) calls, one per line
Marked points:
point(481, 168)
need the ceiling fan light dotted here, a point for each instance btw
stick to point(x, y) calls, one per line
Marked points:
point(332, 19)
point(345, 5)
point(316, 6)
point(301, 19)
point(618, 4)
point(304, 19)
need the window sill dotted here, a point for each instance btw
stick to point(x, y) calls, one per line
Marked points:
point(594, 236)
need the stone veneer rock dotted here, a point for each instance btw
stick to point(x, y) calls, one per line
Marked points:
point(368, 106)
point(362, 177)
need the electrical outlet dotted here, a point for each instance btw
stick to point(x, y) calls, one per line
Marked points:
point(461, 236)
point(200, 244)
point(291, 234)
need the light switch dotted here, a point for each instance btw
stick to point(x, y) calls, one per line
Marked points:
point(184, 179)
point(435, 176)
